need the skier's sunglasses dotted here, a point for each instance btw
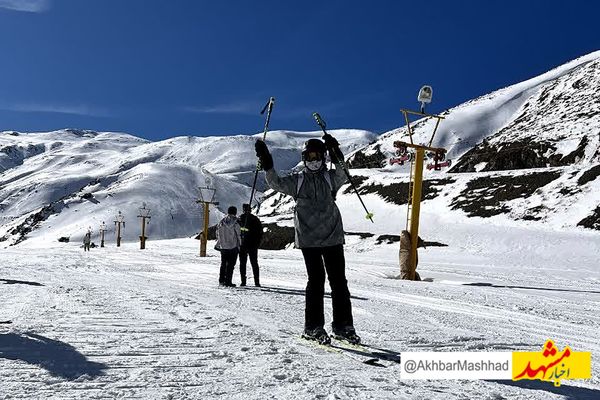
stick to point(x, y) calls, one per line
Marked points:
point(313, 156)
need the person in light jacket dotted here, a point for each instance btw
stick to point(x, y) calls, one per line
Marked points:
point(228, 243)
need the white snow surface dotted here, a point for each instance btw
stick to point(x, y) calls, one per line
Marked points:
point(152, 324)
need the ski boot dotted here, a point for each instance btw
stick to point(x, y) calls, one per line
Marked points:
point(317, 334)
point(347, 334)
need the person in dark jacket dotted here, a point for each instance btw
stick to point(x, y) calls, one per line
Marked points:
point(319, 233)
point(252, 232)
point(228, 243)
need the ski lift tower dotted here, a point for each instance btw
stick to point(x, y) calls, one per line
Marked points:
point(416, 157)
point(119, 220)
point(102, 230)
point(144, 215)
point(207, 197)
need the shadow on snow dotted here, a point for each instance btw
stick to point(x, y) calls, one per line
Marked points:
point(485, 284)
point(13, 282)
point(295, 292)
point(58, 358)
point(568, 392)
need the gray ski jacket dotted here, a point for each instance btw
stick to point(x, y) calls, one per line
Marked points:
point(317, 219)
point(228, 234)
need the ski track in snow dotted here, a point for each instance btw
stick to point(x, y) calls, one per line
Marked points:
point(122, 323)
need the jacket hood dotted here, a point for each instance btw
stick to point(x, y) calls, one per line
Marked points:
point(230, 220)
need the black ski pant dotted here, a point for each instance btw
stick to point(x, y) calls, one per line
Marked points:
point(228, 260)
point(251, 252)
point(330, 259)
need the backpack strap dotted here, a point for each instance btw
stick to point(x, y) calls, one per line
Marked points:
point(328, 180)
point(299, 183)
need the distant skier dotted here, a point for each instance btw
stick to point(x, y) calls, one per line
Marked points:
point(87, 241)
point(252, 232)
point(319, 234)
point(228, 243)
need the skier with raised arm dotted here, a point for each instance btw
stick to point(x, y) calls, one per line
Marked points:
point(319, 233)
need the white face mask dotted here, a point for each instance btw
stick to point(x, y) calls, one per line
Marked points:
point(314, 165)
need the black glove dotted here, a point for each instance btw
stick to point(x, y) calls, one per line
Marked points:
point(333, 147)
point(264, 157)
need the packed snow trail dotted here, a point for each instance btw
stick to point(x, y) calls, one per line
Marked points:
point(125, 323)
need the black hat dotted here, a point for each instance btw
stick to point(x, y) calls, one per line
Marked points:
point(246, 207)
point(313, 146)
point(232, 210)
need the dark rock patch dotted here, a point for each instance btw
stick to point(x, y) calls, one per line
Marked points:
point(389, 239)
point(568, 191)
point(435, 244)
point(575, 155)
point(358, 181)
point(212, 233)
point(397, 193)
point(277, 237)
point(483, 197)
point(517, 155)
point(507, 156)
point(534, 213)
point(362, 235)
point(589, 175)
point(375, 160)
point(592, 221)
point(32, 221)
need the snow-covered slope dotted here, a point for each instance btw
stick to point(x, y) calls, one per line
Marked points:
point(56, 184)
point(559, 108)
point(537, 141)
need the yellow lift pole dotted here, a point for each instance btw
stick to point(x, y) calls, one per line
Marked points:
point(416, 182)
point(204, 237)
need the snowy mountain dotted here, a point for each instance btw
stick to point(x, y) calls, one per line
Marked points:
point(57, 184)
point(548, 116)
point(527, 152)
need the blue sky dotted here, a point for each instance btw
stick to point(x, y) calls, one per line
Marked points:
point(164, 68)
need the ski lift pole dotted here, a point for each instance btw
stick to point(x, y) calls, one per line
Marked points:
point(268, 108)
point(322, 124)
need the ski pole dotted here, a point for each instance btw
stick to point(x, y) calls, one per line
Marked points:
point(322, 124)
point(268, 108)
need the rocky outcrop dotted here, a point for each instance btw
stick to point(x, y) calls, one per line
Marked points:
point(375, 158)
point(486, 196)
